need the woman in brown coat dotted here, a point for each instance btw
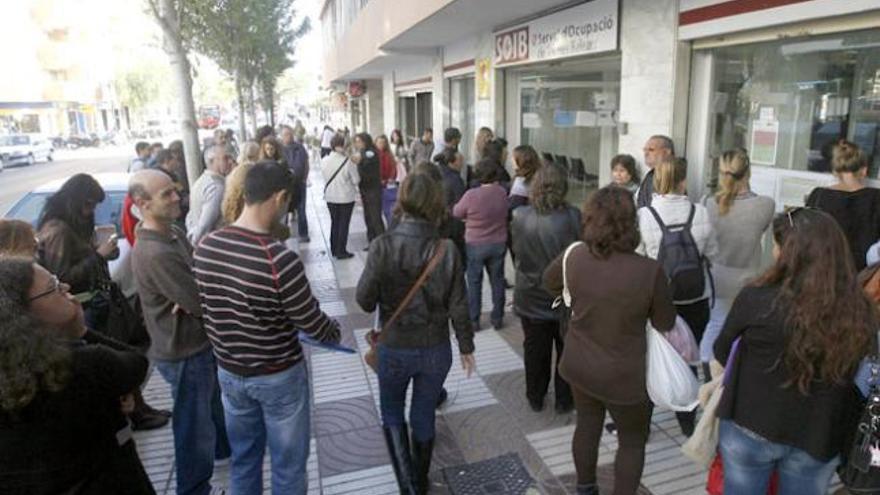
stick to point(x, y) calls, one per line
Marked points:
point(614, 293)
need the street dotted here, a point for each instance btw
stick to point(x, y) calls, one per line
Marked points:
point(15, 182)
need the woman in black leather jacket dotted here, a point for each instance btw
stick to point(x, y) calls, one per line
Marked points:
point(541, 231)
point(416, 347)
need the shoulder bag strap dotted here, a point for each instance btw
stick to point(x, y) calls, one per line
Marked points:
point(439, 253)
point(335, 174)
point(658, 219)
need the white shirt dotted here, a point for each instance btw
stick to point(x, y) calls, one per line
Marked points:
point(326, 137)
point(344, 188)
point(675, 209)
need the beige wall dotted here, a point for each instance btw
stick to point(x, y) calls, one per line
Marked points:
point(379, 22)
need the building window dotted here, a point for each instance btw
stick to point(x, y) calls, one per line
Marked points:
point(789, 101)
point(461, 113)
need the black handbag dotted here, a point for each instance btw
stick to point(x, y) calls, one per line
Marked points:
point(860, 472)
point(118, 318)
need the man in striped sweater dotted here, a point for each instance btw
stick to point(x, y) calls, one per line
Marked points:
point(255, 298)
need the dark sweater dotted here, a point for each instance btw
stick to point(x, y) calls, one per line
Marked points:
point(611, 300)
point(857, 213)
point(67, 440)
point(756, 396)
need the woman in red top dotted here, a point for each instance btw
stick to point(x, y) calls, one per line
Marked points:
point(388, 174)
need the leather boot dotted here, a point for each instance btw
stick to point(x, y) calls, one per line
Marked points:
point(397, 440)
point(421, 456)
point(591, 489)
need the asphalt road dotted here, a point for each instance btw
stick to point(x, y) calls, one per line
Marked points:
point(16, 181)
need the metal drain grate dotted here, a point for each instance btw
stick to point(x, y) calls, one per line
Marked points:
point(500, 475)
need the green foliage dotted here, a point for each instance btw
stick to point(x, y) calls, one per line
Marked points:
point(251, 40)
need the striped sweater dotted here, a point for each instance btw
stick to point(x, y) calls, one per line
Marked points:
point(255, 296)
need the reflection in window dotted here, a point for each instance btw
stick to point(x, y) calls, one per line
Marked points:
point(789, 101)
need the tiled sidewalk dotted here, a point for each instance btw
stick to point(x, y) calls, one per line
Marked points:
point(486, 415)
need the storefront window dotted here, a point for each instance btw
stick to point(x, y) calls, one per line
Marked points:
point(568, 113)
point(461, 113)
point(789, 101)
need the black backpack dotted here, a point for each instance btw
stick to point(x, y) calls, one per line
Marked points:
point(685, 267)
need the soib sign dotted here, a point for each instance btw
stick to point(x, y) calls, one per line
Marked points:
point(583, 29)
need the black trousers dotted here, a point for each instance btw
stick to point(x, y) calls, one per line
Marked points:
point(696, 315)
point(340, 220)
point(541, 336)
point(325, 152)
point(372, 199)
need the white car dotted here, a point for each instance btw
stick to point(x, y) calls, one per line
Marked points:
point(108, 212)
point(26, 149)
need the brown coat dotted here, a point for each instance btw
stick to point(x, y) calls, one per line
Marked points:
point(71, 257)
point(612, 300)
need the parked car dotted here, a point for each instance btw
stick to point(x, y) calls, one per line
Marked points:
point(25, 149)
point(108, 212)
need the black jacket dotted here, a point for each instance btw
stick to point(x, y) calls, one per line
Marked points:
point(368, 169)
point(538, 240)
point(395, 261)
point(645, 194)
point(66, 441)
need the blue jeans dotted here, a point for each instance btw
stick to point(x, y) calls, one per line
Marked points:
point(426, 368)
point(749, 461)
point(300, 208)
point(490, 256)
point(389, 197)
point(268, 408)
point(197, 420)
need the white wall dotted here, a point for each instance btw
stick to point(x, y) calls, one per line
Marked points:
point(389, 101)
point(654, 76)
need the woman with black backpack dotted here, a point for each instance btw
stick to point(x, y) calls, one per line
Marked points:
point(679, 234)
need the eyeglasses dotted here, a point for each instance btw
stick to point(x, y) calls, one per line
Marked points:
point(56, 287)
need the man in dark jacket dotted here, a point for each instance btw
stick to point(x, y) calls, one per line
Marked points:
point(297, 159)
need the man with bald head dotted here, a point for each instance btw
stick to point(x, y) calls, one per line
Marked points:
point(161, 262)
point(656, 149)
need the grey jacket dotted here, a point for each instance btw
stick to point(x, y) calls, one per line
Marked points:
point(420, 152)
point(205, 201)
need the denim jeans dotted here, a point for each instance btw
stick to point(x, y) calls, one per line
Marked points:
point(300, 209)
point(749, 461)
point(197, 420)
point(426, 368)
point(490, 256)
point(340, 221)
point(271, 409)
point(389, 197)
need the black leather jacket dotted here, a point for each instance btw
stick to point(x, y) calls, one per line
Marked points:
point(395, 261)
point(538, 240)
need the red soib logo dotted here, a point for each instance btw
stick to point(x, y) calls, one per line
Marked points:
point(512, 46)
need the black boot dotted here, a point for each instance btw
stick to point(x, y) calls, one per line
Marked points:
point(397, 440)
point(591, 489)
point(687, 421)
point(421, 455)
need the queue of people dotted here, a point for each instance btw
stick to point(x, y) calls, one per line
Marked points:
point(222, 301)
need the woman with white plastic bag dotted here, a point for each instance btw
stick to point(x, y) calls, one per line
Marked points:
point(613, 293)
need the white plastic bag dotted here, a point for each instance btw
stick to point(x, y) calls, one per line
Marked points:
point(669, 380)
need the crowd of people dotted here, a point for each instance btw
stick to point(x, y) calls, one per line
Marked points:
point(222, 306)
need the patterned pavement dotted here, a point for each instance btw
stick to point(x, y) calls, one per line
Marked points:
point(486, 415)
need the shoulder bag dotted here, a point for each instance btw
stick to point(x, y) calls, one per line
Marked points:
point(335, 174)
point(374, 336)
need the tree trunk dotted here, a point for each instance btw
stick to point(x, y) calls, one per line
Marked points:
point(252, 106)
point(186, 109)
point(242, 116)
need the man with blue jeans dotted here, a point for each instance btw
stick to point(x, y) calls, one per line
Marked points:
point(162, 269)
point(297, 159)
point(256, 300)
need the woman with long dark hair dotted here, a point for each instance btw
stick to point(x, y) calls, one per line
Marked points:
point(66, 229)
point(415, 347)
point(65, 393)
point(400, 150)
point(367, 160)
point(614, 293)
point(803, 328)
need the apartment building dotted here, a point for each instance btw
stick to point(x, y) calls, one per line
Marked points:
point(582, 81)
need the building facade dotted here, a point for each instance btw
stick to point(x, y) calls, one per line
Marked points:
point(58, 80)
point(582, 81)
